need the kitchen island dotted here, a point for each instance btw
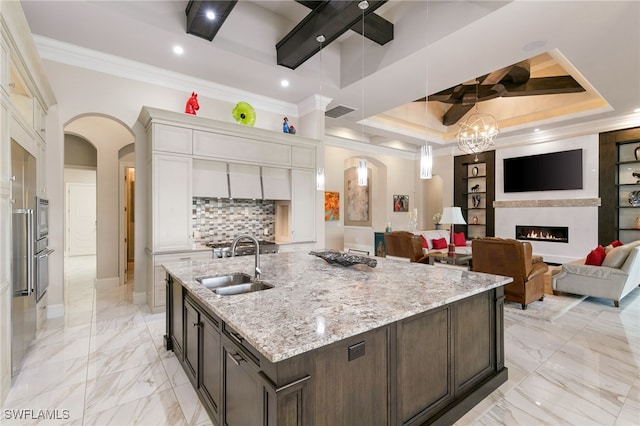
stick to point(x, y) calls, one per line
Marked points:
point(401, 343)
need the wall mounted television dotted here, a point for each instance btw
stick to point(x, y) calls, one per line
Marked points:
point(544, 172)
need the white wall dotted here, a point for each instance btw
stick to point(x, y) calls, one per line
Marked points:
point(582, 221)
point(393, 173)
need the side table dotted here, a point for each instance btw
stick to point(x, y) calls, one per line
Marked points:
point(456, 259)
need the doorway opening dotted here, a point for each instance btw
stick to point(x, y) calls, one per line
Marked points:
point(128, 221)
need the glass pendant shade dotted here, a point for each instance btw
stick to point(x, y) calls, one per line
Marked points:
point(320, 179)
point(426, 162)
point(362, 172)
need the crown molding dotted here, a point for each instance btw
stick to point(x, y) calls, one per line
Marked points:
point(367, 148)
point(313, 103)
point(70, 54)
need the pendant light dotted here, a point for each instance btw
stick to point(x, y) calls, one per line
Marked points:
point(426, 154)
point(426, 162)
point(320, 172)
point(362, 172)
point(362, 163)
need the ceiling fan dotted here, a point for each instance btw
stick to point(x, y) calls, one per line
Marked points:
point(514, 80)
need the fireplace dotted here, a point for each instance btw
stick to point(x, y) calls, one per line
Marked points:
point(554, 234)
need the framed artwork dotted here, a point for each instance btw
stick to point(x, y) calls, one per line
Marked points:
point(400, 203)
point(331, 206)
point(357, 204)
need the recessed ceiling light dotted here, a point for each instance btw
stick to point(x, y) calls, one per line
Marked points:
point(210, 15)
point(178, 50)
point(284, 83)
point(536, 130)
point(636, 110)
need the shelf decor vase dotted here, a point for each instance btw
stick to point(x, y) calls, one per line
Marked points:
point(637, 153)
point(637, 222)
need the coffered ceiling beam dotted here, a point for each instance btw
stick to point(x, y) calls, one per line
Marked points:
point(198, 24)
point(376, 28)
point(331, 19)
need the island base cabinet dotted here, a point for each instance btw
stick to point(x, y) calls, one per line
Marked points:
point(349, 382)
point(430, 368)
point(202, 349)
point(242, 389)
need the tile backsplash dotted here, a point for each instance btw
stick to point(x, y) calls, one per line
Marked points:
point(223, 219)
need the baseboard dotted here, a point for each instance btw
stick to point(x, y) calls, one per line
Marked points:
point(140, 298)
point(55, 311)
point(107, 282)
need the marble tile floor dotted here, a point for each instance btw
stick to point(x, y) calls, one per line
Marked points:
point(104, 364)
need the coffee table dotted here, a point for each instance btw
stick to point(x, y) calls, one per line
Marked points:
point(457, 259)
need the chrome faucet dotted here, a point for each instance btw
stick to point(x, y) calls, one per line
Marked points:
point(255, 241)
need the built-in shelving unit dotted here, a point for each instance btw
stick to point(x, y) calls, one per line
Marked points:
point(628, 216)
point(474, 192)
point(617, 218)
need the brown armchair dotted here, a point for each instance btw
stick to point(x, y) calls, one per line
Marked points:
point(405, 244)
point(511, 258)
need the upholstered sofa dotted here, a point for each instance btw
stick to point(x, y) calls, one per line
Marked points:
point(435, 234)
point(511, 258)
point(618, 275)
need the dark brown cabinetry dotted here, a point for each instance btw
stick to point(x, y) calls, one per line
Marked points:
point(474, 192)
point(429, 368)
point(242, 388)
point(616, 215)
point(202, 346)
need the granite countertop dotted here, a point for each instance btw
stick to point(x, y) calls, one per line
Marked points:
point(314, 304)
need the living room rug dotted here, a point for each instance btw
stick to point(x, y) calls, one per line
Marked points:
point(550, 309)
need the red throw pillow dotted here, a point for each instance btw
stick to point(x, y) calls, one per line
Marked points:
point(616, 243)
point(596, 256)
point(424, 242)
point(439, 243)
point(459, 239)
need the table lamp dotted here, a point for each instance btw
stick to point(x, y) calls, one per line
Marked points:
point(452, 216)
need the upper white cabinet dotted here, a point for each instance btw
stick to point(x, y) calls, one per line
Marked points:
point(4, 65)
point(276, 183)
point(229, 147)
point(210, 179)
point(171, 202)
point(304, 157)
point(303, 218)
point(171, 139)
point(244, 181)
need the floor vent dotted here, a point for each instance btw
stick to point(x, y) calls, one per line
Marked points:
point(339, 111)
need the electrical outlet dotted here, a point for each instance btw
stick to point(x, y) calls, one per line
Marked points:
point(356, 351)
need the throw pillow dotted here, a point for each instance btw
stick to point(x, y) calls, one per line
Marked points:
point(596, 256)
point(424, 242)
point(616, 243)
point(439, 243)
point(459, 239)
point(616, 257)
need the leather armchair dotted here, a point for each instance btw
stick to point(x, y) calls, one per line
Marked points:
point(405, 244)
point(511, 258)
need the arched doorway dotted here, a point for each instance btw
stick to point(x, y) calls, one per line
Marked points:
point(109, 136)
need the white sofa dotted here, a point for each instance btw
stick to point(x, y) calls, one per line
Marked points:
point(618, 275)
point(435, 234)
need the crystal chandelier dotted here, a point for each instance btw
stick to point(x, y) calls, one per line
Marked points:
point(478, 132)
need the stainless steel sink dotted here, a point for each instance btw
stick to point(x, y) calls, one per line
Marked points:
point(242, 288)
point(236, 283)
point(224, 280)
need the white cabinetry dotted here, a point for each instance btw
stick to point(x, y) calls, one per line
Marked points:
point(210, 179)
point(171, 202)
point(4, 65)
point(156, 285)
point(276, 183)
point(41, 165)
point(230, 147)
point(244, 181)
point(171, 139)
point(303, 217)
